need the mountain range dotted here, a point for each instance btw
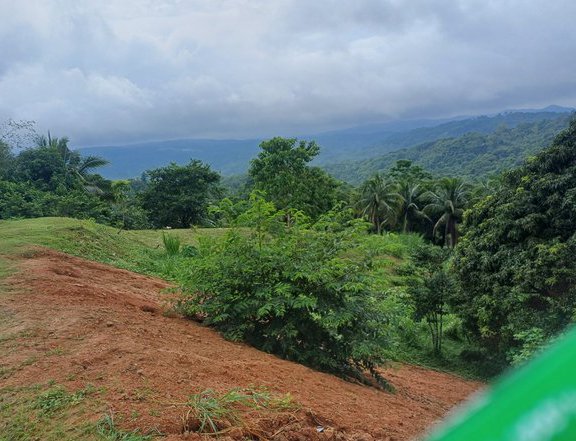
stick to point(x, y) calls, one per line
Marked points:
point(349, 154)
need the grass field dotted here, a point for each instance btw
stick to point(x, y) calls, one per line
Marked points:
point(133, 250)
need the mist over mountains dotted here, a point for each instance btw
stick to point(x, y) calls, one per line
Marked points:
point(347, 153)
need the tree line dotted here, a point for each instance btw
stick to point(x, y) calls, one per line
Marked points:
point(51, 179)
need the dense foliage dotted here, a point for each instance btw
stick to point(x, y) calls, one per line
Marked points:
point(281, 170)
point(300, 293)
point(178, 196)
point(49, 179)
point(516, 262)
point(431, 287)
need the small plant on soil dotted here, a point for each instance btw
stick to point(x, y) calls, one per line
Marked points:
point(106, 428)
point(58, 398)
point(218, 412)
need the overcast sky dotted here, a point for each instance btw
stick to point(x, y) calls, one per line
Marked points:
point(115, 71)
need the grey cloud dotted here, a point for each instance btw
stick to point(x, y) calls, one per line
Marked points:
point(118, 71)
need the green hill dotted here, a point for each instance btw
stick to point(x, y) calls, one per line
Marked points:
point(135, 250)
point(231, 157)
point(472, 156)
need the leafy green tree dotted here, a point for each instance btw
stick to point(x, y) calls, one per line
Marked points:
point(126, 212)
point(178, 196)
point(431, 288)
point(448, 201)
point(516, 261)
point(405, 170)
point(281, 170)
point(52, 165)
point(74, 166)
point(377, 199)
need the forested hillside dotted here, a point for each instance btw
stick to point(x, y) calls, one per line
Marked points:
point(231, 157)
point(471, 156)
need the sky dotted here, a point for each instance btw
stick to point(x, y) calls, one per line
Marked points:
point(103, 72)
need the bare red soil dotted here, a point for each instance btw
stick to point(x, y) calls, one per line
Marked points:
point(82, 322)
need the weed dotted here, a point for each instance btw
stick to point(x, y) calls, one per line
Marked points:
point(210, 411)
point(142, 393)
point(34, 413)
point(57, 398)
point(107, 429)
point(171, 244)
point(56, 351)
point(6, 372)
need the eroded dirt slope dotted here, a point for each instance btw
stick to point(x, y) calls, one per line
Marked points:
point(82, 322)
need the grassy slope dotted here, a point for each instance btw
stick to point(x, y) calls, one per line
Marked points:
point(133, 250)
point(143, 252)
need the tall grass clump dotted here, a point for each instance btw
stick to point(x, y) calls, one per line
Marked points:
point(210, 412)
point(171, 244)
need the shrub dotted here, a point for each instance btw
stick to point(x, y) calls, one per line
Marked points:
point(189, 251)
point(300, 294)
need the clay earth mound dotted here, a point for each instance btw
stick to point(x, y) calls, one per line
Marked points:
point(88, 323)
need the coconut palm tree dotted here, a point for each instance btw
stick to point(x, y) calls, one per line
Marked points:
point(448, 201)
point(410, 200)
point(377, 200)
point(72, 162)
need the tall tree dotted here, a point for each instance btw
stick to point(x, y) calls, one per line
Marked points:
point(53, 165)
point(410, 201)
point(178, 196)
point(74, 165)
point(281, 170)
point(430, 288)
point(448, 201)
point(516, 261)
point(377, 200)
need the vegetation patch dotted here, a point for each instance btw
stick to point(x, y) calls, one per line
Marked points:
point(51, 414)
point(214, 412)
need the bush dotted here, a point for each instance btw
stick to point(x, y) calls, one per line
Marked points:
point(299, 294)
point(189, 251)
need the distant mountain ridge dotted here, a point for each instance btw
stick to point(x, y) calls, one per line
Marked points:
point(232, 157)
point(472, 156)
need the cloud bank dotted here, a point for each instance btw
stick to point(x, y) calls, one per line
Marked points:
point(128, 70)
